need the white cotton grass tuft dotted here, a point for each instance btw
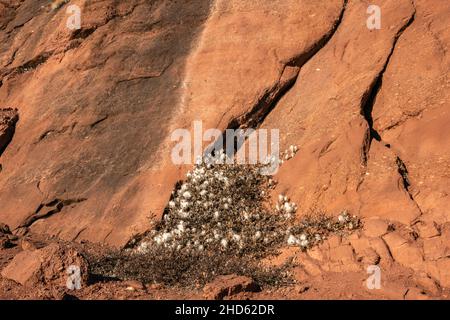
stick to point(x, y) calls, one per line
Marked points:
point(224, 243)
point(289, 153)
point(187, 195)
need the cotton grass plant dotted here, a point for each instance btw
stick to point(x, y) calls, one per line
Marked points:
point(220, 220)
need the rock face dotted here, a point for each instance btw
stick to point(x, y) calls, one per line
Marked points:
point(98, 105)
point(90, 157)
point(92, 104)
point(8, 120)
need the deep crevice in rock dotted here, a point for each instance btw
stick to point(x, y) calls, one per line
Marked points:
point(272, 96)
point(82, 33)
point(403, 171)
point(8, 120)
point(404, 174)
point(367, 103)
point(269, 100)
point(45, 210)
point(34, 63)
point(369, 97)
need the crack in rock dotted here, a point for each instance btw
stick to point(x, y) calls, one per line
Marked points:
point(8, 119)
point(287, 79)
point(290, 72)
point(403, 172)
point(367, 104)
point(370, 96)
point(45, 210)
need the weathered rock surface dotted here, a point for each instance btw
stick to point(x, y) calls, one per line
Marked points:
point(225, 286)
point(90, 157)
point(7, 239)
point(8, 120)
point(92, 102)
point(92, 105)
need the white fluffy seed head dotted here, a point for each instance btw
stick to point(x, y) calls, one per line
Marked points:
point(224, 243)
point(158, 240)
point(288, 208)
point(292, 240)
point(166, 236)
point(142, 248)
point(236, 237)
point(187, 195)
point(183, 214)
point(184, 204)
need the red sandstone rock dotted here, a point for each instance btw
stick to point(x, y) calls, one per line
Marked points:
point(375, 227)
point(406, 253)
point(49, 265)
point(224, 286)
point(368, 110)
point(428, 229)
